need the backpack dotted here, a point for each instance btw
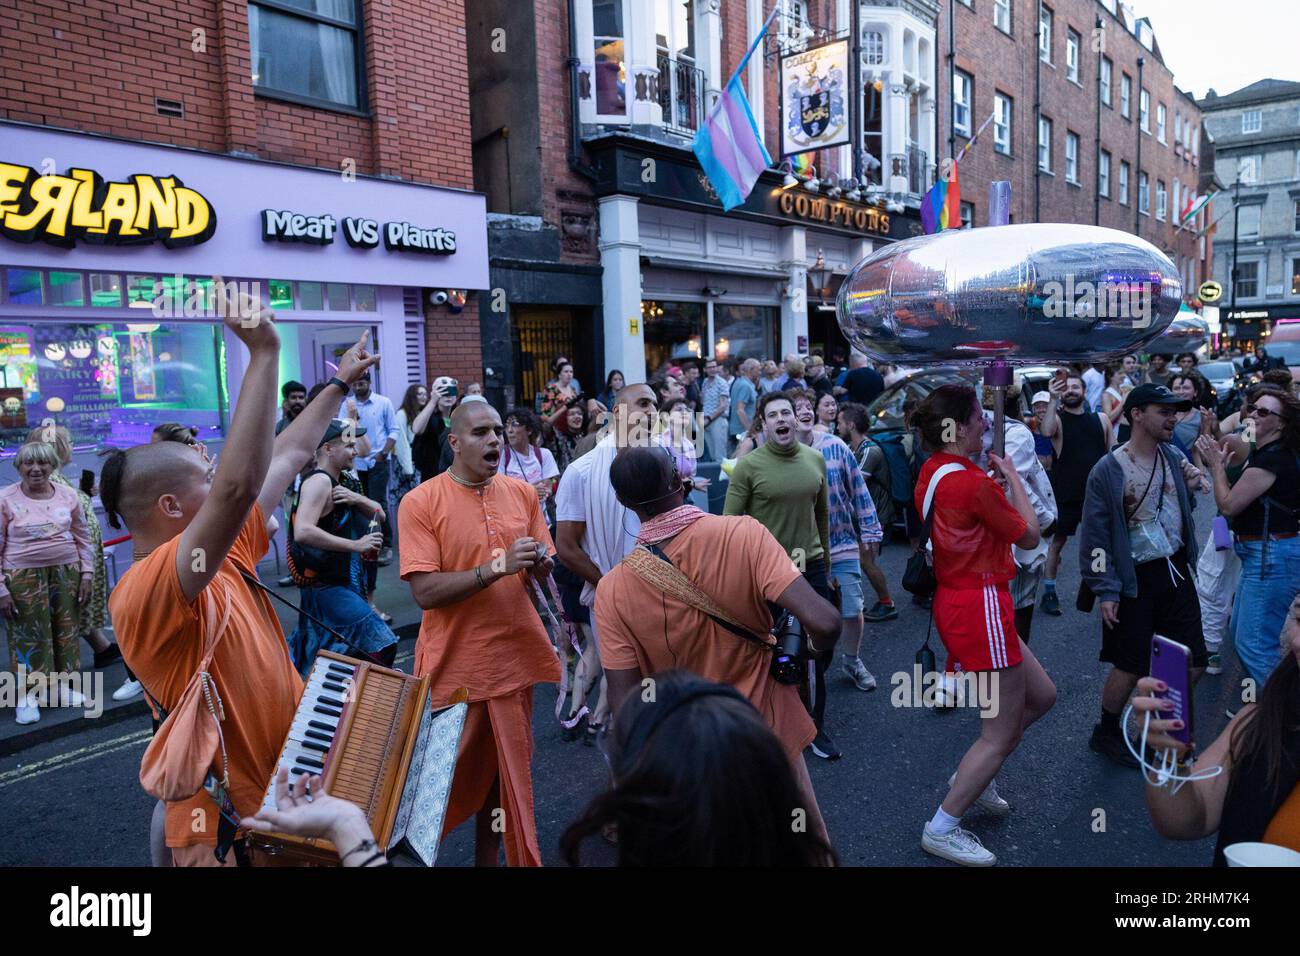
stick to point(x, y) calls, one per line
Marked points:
point(878, 484)
point(903, 465)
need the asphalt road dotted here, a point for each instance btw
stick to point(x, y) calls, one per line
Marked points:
point(77, 802)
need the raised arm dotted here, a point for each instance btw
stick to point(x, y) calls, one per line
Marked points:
point(242, 471)
point(297, 443)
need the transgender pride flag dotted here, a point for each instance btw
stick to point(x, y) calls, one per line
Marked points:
point(728, 145)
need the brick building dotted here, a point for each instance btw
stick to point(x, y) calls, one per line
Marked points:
point(1088, 126)
point(330, 152)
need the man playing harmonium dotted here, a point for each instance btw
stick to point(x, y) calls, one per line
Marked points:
point(195, 532)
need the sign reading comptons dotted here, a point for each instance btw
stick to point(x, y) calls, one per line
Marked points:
point(1210, 291)
point(814, 98)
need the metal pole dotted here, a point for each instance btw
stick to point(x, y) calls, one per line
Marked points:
point(859, 123)
point(952, 84)
point(1096, 184)
point(1038, 112)
point(1137, 171)
point(1236, 222)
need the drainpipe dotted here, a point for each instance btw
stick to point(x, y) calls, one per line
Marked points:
point(1137, 206)
point(1096, 198)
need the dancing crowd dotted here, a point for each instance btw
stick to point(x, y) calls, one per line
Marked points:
point(584, 540)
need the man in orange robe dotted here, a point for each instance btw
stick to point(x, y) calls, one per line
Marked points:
point(471, 541)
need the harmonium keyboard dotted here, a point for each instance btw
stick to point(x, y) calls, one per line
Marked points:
point(372, 734)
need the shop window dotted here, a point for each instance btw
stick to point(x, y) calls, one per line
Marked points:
point(744, 331)
point(140, 291)
point(336, 294)
point(364, 297)
point(109, 383)
point(310, 296)
point(66, 289)
point(673, 331)
point(307, 50)
point(281, 293)
point(23, 287)
point(105, 290)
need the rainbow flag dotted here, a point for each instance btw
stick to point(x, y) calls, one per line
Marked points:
point(802, 163)
point(941, 207)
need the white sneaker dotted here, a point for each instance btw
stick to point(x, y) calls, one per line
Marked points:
point(28, 712)
point(70, 698)
point(946, 693)
point(957, 845)
point(989, 801)
point(130, 688)
point(857, 672)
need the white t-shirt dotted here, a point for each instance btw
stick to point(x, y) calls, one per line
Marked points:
point(531, 469)
point(1094, 383)
point(586, 494)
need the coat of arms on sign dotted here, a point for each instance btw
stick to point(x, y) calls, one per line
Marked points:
point(815, 107)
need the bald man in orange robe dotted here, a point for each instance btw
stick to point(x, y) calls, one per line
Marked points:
point(471, 539)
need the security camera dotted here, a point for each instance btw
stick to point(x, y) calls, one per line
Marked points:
point(438, 297)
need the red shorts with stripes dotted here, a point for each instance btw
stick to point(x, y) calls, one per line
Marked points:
point(977, 627)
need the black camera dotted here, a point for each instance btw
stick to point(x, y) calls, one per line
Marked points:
point(790, 656)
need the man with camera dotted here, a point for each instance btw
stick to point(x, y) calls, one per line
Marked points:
point(698, 593)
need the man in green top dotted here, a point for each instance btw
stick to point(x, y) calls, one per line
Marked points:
point(782, 484)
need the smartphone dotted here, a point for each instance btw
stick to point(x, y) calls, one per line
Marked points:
point(87, 481)
point(452, 391)
point(1171, 662)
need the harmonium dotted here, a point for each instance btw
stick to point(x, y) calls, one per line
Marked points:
point(374, 737)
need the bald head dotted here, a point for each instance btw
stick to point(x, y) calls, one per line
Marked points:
point(476, 440)
point(469, 415)
point(857, 360)
point(134, 483)
point(643, 480)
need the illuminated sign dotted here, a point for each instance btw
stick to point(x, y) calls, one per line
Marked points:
point(284, 225)
point(1210, 291)
point(820, 209)
point(62, 209)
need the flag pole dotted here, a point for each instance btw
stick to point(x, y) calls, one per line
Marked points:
point(971, 141)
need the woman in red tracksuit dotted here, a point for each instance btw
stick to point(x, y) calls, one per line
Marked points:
point(973, 529)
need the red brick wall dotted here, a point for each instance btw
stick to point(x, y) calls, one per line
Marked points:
point(97, 65)
point(1005, 64)
point(451, 343)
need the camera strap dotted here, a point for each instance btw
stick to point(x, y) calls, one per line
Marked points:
point(650, 564)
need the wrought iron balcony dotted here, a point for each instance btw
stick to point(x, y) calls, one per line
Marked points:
point(681, 95)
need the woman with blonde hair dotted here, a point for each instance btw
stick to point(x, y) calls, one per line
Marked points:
point(45, 551)
point(94, 615)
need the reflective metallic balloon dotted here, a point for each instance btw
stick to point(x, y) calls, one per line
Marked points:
point(1186, 333)
point(1020, 292)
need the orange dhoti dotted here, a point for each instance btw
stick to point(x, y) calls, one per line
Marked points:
point(497, 745)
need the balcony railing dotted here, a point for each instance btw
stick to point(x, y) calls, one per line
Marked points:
point(917, 163)
point(681, 95)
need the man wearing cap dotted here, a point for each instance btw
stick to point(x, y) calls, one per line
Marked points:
point(379, 418)
point(329, 530)
point(1136, 555)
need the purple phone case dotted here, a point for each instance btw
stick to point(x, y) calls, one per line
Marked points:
point(1171, 662)
point(1222, 533)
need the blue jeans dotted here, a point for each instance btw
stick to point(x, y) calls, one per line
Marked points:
point(1262, 602)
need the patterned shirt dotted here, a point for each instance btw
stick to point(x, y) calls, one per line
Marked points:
point(852, 513)
point(712, 392)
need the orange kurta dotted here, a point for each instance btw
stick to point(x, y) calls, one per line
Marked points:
point(161, 635)
point(737, 562)
point(492, 643)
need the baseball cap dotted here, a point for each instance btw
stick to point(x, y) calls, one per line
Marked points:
point(1040, 397)
point(1152, 394)
point(336, 429)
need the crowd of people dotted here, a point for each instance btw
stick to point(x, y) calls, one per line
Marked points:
point(702, 643)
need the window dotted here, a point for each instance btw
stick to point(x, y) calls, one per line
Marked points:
point(105, 290)
point(1248, 224)
point(1295, 276)
point(1178, 128)
point(1251, 121)
point(611, 74)
point(967, 215)
point(66, 289)
point(1045, 144)
point(746, 329)
point(1072, 56)
point(1002, 15)
point(1144, 194)
point(671, 328)
point(1072, 157)
point(1297, 215)
point(1045, 34)
point(1103, 175)
point(1297, 164)
point(1247, 280)
point(681, 82)
point(1144, 111)
point(1161, 115)
point(364, 297)
point(1125, 95)
point(1248, 168)
point(873, 47)
point(967, 3)
point(308, 50)
point(961, 102)
point(1104, 80)
point(311, 296)
point(1162, 200)
point(1002, 124)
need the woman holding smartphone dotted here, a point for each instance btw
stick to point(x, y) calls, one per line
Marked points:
point(1257, 796)
point(972, 530)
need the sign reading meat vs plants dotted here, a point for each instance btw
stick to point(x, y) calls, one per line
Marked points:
point(284, 225)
